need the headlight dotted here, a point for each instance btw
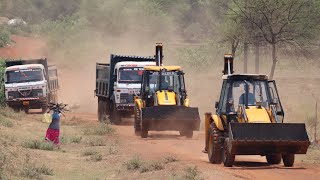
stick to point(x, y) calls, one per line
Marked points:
point(123, 101)
point(10, 97)
point(40, 94)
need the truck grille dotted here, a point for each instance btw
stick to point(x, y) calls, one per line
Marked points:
point(25, 93)
point(129, 97)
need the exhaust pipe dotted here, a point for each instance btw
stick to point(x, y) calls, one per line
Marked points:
point(228, 64)
point(159, 54)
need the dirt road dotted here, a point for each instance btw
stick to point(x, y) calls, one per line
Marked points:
point(188, 151)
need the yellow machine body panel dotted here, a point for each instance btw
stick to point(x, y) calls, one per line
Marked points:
point(138, 102)
point(166, 98)
point(186, 102)
point(257, 115)
point(159, 68)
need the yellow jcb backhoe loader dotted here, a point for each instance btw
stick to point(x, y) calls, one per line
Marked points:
point(163, 104)
point(249, 121)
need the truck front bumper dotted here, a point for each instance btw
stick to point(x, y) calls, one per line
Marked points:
point(36, 103)
point(125, 107)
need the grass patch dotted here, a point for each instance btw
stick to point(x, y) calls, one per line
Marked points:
point(75, 139)
point(89, 152)
point(192, 173)
point(96, 157)
point(96, 142)
point(134, 164)
point(10, 113)
point(32, 171)
point(36, 144)
point(100, 130)
point(153, 166)
point(112, 150)
point(6, 122)
point(170, 159)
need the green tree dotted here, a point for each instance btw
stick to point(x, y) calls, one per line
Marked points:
point(290, 24)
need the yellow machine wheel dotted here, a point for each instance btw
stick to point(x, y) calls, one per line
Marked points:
point(137, 121)
point(228, 158)
point(288, 160)
point(215, 145)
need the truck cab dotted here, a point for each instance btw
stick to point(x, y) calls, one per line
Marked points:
point(128, 83)
point(117, 83)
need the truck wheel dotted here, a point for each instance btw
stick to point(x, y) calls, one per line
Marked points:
point(137, 120)
point(102, 109)
point(273, 158)
point(288, 160)
point(26, 110)
point(144, 133)
point(44, 109)
point(187, 133)
point(115, 118)
point(215, 145)
point(228, 158)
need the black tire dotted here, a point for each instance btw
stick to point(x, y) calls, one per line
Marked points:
point(288, 160)
point(215, 146)
point(273, 158)
point(115, 118)
point(187, 133)
point(26, 110)
point(44, 109)
point(144, 133)
point(99, 110)
point(137, 121)
point(228, 158)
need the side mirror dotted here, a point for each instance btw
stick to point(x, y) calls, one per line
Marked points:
point(216, 105)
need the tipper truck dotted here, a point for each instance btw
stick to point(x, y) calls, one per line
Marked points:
point(117, 82)
point(30, 84)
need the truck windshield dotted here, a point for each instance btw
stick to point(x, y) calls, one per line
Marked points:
point(130, 75)
point(24, 75)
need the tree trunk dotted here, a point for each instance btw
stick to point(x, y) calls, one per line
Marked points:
point(245, 57)
point(257, 57)
point(274, 60)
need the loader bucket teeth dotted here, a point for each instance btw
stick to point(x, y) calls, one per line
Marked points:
point(268, 138)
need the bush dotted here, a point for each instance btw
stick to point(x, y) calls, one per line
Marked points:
point(97, 142)
point(4, 37)
point(97, 157)
point(192, 173)
point(170, 159)
point(153, 166)
point(134, 164)
point(5, 122)
point(2, 70)
point(75, 139)
point(30, 170)
point(36, 144)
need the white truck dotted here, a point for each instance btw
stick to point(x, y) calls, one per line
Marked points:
point(116, 85)
point(30, 84)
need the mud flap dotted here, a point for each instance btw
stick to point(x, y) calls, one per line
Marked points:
point(268, 138)
point(166, 118)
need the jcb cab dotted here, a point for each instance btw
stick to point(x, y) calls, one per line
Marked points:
point(163, 104)
point(249, 121)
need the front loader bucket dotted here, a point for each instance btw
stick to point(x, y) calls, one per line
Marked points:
point(170, 118)
point(268, 138)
